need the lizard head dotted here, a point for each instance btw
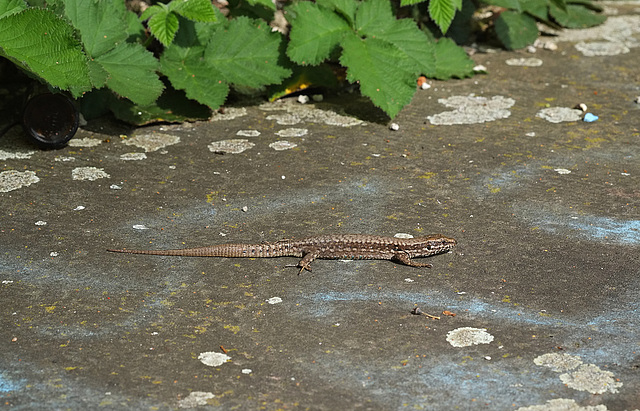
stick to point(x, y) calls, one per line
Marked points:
point(437, 244)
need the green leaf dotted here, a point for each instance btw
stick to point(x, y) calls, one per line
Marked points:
point(374, 16)
point(266, 3)
point(410, 2)
point(164, 25)
point(375, 19)
point(561, 4)
point(196, 10)
point(100, 23)
point(516, 30)
point(442, 13)
point(187, 71)
point(42, 43)
point(131, 70)
point(9, 7)
point(246, 53)
point(452, 60)
point(576, 16)
point(315, 32)
point(346, 8)
point(537, 8)
point(374, 64)
point(172, 106)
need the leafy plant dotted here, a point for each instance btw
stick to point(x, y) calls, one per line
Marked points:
point(383, 54)
point(516, 27)
point(99, 51)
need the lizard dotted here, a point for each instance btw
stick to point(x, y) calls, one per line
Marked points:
point(338, 246)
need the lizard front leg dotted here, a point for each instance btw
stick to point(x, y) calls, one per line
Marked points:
point(305, 263)
point(404, 258)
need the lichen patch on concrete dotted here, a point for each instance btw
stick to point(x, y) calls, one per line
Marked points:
point(152, 141)
point(133, 156)
point(282, 145)
point(213, 359)
point(472, 109)
point(15, 155)
point(559, 114)
point(293, 132)
point(84, 142)
point(13, 180)
point(468, 336)
point(232, 146)
point(88, 173)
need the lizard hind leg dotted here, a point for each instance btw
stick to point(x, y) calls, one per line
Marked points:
point(406, 260)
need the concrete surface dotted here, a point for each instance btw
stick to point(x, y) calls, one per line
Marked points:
point(544, 283)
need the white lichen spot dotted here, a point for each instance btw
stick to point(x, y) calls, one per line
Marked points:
point(562, 171)
point(88, 173)
point(40, 222)
point(233, 146)
point(152, 141)
point(472, 109)
point(562, 404)
point(559, 114)
point(558, 362)
point(282, 145)
point(601, 48)
point(133, 156)
point(296, 113)
point(140, 227)
point(229, 114)
point(247, 371)
point(115, 187)
point(79, 208)
point(403, 235)
point(195, 399)
point(248, 133)
point(64, 159)
point(292, 132)
point(524, 62)
point(274, 300)
point(12, 180)
point(213, 359)
point(84, 142)
point(8, 155)
point(468, 336)
point(53, 254)
point(590, 378)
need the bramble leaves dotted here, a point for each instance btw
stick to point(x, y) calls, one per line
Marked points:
point(163, 18)
point(516, 30)
point(383, 54)
point(42, 43)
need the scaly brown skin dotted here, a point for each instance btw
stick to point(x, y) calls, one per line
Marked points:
point(340, 246)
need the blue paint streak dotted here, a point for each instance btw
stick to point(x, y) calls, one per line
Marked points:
point(589, 227)
point(7, 385)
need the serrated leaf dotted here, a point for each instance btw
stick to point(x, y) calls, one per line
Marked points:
point(537, 8)
point(266, 3)
point(9, 7)
point(374, 16)
point(132, 74)
point(346, 8)
point(196, 10)
point(187, 71)
point(451, 60)
point(100, 23)
point(375, 19)
point(164, 26)
point(315, 32)
point(375, 65)
point(246, 53)
point(152, 11)
point(410, 2)
point(442, 13)
point(42, 43)
point(575, 16)
point(516, 30)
